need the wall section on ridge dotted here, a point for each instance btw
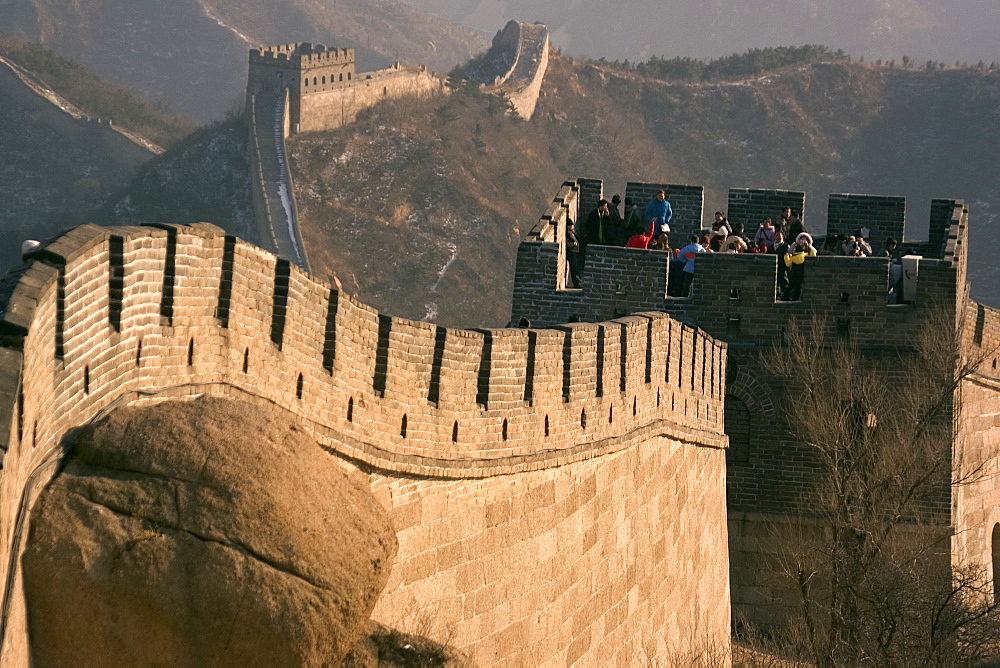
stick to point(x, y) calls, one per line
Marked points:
point(334, 108)
point(606, 437)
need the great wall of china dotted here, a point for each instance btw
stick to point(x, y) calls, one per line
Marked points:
point(562, 493)
point(558, 493)
point(99, 136)
point(304, 87)
point(734, 300)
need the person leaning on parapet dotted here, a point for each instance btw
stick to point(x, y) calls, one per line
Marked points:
point(716, 239)
point(659, 214)
point(889, 250)
point(831, 245)
point(765, 234)
point(734, 243)
point(598, 229)
point(688, 254)
point(895, 270)
point(859, 248)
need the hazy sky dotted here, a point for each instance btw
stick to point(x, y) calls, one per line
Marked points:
point(942, 30)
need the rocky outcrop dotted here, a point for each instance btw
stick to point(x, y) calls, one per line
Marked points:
point(208, 532)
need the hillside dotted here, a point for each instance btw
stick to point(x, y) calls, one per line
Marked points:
point(432, 229)
point(56, 164)
point(95, 97)
point(190, 55)
point(418, 207)
point(921, 29)
point(205, 178)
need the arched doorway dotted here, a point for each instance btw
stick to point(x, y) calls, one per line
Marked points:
point(737, 428)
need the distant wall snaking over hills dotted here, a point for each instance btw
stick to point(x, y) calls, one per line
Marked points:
point(190, 55)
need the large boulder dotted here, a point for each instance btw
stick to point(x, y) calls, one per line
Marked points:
point(210, 532)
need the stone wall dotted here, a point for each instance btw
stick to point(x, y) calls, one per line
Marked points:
point(883, 216)
point(325, 92)
point(529, 43)
point(330, 109)
point(600, 562)
point(751, 205)
point(730, 291)
point(977, 503)
point(589, 456)
point(734, 300)
point(686, 202)
point(99, 137)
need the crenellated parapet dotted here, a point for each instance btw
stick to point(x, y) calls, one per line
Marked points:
point(304, 53)
point(104, 317)
point(736, 296)
point(101, 312)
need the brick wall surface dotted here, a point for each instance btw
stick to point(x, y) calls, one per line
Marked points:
point(884, 216)
point(327, 110)
point(595, 563)
point(686, 202)
point(105, 316)
point(751, 205)
point(734, 300)
point(977, 504)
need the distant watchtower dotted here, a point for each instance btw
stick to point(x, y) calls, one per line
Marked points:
point(304, 69)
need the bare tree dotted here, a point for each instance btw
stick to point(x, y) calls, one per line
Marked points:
point(877, 584)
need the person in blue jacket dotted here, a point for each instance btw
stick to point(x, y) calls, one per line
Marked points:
point(688, 254)
point(659, 214)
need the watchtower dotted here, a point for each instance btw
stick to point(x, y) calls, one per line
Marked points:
point(735, 299)
point(301, 68)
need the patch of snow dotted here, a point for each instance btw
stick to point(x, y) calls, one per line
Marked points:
point(454, 253)
point(221, 24)
point(430, 312)
point(287, 206)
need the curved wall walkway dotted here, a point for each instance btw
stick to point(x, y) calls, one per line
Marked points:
point(558, 494)
point(529, 43)
point(271, 181)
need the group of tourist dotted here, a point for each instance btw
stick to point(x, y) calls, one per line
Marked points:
point(608, 226)
point(650, 228)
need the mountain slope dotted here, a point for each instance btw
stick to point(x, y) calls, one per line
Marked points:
point(418, 207)
point(56, 164)
point(190, 55)
point(921, 29)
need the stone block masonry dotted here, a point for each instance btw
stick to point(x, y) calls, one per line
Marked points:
point(883, 216)
point(687, 203)
point(751, 205)
point(324, 90)
point(735, 300)
point(526, 47)
point(558, 492)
